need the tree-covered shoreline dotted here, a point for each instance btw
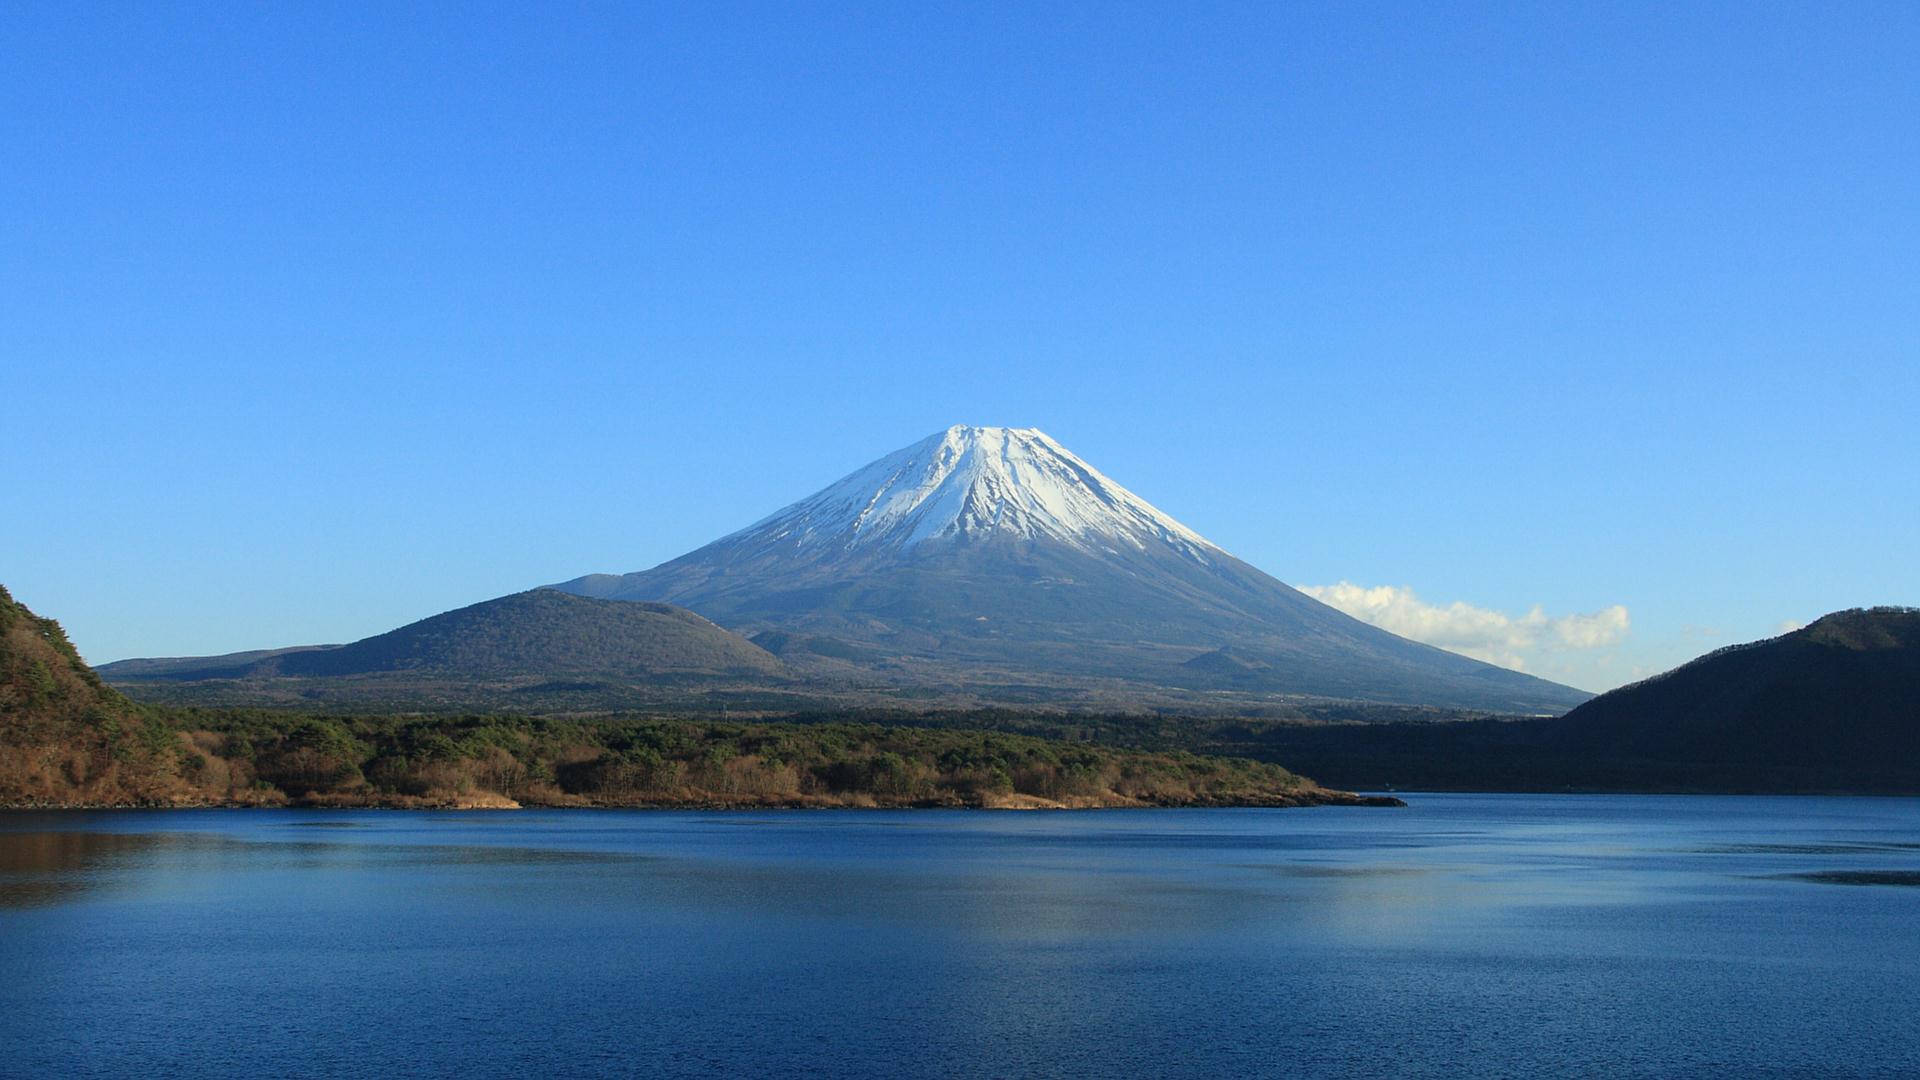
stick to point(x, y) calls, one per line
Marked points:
point(263, 757)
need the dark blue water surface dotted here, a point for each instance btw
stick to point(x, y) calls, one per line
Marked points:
point(1464, 936)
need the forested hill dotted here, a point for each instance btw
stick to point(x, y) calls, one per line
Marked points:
point(1844, 691)
point(65, 736)
point(541, 632)
point(1831, 708)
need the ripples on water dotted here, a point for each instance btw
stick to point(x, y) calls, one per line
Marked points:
point(1465, 936)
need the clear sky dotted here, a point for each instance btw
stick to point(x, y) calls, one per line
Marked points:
point(317, 319)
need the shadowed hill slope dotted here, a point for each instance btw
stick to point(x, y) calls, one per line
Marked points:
point(541, 632)
point(1843, 690)
point(1834, 707)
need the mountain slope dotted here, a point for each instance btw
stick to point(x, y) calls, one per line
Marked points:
point(994, 556)
point(541, 632)
point(1833, 708)
point(227, 666)
point(1844, 691)
point(66, 738)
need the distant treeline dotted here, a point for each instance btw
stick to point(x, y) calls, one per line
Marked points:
point(270, 757)
point(1386, 749)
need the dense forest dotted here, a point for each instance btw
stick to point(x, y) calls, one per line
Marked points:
point(482, 760)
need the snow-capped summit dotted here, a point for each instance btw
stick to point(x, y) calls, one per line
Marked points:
point(974, 482)
point(993, 564)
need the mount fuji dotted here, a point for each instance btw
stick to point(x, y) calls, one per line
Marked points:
point(995, 560)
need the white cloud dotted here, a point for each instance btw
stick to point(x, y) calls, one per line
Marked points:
point(1511, 641)
point(1788, 626)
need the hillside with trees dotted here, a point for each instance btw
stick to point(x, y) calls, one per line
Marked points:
point(1833, 707)
point(541, 632)
point(68, 738)
point(503, 760)
point(1841, 695)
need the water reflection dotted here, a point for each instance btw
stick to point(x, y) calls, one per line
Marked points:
point(48, 867)
point(1858, 877)
point(1316, 870)
point(1834, 847)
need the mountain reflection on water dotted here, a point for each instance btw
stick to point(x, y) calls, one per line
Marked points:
point(1463, 936)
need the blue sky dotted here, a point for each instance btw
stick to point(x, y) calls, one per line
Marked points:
point(317, 320)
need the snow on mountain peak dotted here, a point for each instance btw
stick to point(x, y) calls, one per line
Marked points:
point(973, 482)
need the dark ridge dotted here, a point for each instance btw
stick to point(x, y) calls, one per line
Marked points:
point(1845, 689)
point(536, 633)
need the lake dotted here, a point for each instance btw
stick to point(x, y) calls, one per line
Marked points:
point(1463, 936)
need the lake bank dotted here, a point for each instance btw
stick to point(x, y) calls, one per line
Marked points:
point(707, 801)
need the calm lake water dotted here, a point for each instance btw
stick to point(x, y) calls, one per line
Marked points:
point(1464, 936)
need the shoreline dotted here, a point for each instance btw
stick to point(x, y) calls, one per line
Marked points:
point(488, 801)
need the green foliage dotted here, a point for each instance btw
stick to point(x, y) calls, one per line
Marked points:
point(668, 761)
point(156, 737)
point(38, 681)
